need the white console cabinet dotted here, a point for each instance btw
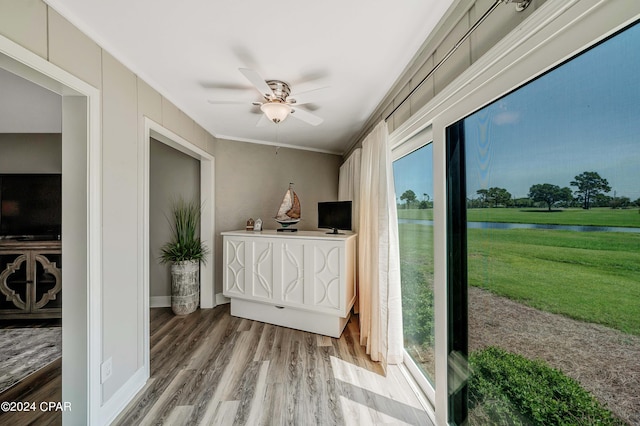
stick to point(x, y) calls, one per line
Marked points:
point(303, 280)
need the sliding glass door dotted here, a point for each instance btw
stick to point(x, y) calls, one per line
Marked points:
point(544, 247)
point(518, 222)
point(413, 176)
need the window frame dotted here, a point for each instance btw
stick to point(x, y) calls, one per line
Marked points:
point(402, 148)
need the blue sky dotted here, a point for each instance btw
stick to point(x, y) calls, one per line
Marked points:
point(583, 116)
point(410, 172)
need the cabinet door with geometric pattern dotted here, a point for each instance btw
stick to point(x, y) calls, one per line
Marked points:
point(14, 279)
point(327, 273)
point(290, 264)
point(31, 280)
point(47, 281)
point(235, 267)
point(261, 277)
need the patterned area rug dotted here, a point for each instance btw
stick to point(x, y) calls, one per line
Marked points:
point(26, 350)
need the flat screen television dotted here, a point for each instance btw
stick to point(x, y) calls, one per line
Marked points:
point(30, 206)
point(335, 215)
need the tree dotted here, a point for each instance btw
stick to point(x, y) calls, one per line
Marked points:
point(600, 200)
point(494, 196)
point(473, 203)
point(523, 202)
point(566, 196)
point(483, 195)
point(409, 196)
point(548, 193)
point(620, 202)
point(590, 185)
point(498, 196)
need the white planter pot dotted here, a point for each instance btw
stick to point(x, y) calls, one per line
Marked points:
point(185, 287)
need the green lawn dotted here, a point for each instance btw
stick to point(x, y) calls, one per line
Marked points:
point(597, 216)
point(417, 244)
point(426, 214)
point(593, 277)
point(590, 276)
point(416, 266)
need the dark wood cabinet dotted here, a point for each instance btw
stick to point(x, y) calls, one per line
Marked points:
point(30, 279)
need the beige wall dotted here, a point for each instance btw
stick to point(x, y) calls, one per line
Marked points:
point(458, 19)
point(30, 153)
point(125, 101)
point(172, 175)
point(252, 179)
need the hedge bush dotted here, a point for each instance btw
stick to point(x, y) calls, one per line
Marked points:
point(417, 305)
point(508, 389)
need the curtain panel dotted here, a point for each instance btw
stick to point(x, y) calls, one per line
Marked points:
point(349, 184)
point(378, 253)
point(349, 190)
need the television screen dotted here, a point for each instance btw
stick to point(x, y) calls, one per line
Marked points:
point(334, 215)
point(31, 205)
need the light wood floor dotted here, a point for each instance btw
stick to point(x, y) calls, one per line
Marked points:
point(214, 369)
point(45, 385)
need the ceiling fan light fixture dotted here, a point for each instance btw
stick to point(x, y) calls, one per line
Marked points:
point(276, 111)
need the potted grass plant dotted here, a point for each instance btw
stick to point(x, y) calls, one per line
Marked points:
point(184, 251)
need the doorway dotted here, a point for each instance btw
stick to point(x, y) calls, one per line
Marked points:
point(166, 139)
point(173, 177)
point(80, 226)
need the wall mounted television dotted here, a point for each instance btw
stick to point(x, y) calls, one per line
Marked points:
point(335, 215)
point(30, 206)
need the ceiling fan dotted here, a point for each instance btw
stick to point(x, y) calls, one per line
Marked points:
point(277, 104)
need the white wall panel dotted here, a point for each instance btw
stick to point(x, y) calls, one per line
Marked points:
point(120, 223)
point(73, 51)
point(149, 103)
point(75, 252)
point(176, 120)
point(25, 22)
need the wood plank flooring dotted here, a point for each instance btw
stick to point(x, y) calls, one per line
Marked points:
point(45, 385)
point(210, 368)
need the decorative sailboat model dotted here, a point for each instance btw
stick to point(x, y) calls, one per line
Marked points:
point(289, 212)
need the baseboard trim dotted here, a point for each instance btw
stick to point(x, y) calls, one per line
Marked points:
point(118, 402)
point(160, 301)
point(165, 301)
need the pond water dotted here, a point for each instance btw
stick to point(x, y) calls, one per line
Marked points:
point(500, 225)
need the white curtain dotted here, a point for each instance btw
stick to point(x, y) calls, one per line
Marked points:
point(349, 189)
point(378, 253)
point(349, 184)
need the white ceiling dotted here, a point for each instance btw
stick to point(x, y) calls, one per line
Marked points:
point(190, 52)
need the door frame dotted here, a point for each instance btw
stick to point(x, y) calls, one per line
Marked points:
point(160, 133)
point(81, 229)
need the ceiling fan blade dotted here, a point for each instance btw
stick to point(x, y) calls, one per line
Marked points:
point(263, 121)
point(214, 102)
point(306, 116)
point(308, 96)
point(257, 81)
